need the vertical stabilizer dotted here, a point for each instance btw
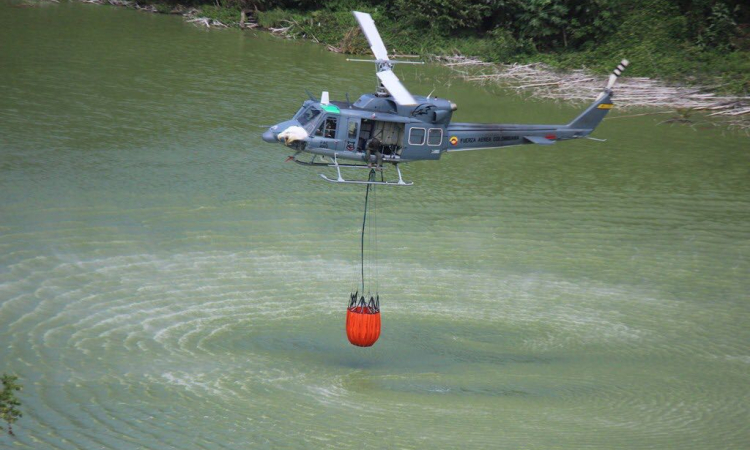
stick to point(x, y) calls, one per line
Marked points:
point(594, 114)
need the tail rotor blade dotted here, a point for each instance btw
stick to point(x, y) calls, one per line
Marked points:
point(617, 72)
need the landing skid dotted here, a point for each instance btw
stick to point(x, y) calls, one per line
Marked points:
point(340, 179)
point(306, 163)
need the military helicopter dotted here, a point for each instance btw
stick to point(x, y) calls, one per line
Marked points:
point(392, 126)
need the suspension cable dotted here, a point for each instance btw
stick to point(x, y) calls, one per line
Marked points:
point(374, 222)
point(362, 238)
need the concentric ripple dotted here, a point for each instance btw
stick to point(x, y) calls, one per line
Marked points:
point(127, 349)
point(167, 282)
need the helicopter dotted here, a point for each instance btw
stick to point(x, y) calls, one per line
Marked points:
point(392, 126)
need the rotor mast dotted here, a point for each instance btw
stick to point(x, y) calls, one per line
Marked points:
point(382, 66)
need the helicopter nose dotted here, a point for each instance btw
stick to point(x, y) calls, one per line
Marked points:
point(269, 136)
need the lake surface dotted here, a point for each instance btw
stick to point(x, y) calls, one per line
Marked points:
point(168, 282)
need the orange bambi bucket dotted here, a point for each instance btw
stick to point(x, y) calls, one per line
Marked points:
point(362, 325)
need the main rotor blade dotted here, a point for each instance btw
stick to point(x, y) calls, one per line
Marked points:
point(395, 88)
point(372, 35)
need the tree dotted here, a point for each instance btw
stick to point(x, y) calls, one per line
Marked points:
point(9, 404)
point(444, 16)
point(721, 28)
point(543, 20)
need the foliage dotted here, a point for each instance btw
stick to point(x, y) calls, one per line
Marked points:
point(9, 404)
point(321, 26)
point(687, 40)
point(164, 8)
point(272, 18)
point(720, 28)
point(225, 15)
point(444, 15)
point(543, 19)
point(657, 39)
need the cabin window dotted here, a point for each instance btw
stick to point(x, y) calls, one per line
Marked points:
point(328, 128)
point(435, 136)
point(416, 136)
point(352, 129)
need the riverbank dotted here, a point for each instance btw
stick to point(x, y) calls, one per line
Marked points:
point(704, 97)
point(676, 103)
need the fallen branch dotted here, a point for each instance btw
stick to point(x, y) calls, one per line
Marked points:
point(207, 22)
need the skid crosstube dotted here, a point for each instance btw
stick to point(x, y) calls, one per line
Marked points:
point(341, 179)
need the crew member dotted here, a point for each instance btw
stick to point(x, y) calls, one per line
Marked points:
point(373, 147)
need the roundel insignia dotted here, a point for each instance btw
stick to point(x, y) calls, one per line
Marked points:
point(454, 140)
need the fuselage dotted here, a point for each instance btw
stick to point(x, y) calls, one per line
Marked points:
point(395, 126)
point(411, 133)
point(344, 130)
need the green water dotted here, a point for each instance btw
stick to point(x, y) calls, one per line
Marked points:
point(167, 281)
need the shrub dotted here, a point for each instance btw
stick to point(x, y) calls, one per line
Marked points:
point(9, 404)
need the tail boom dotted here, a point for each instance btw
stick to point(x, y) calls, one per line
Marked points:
point(479, 136)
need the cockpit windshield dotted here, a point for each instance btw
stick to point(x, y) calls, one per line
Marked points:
point(307, 116)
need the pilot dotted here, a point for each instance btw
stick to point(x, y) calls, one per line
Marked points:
point(373, 147)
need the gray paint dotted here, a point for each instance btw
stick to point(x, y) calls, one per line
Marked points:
point(431, 115)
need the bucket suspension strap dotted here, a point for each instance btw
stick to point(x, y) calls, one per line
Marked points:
point(364, 305)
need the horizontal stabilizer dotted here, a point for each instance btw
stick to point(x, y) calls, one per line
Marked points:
point(395, 88)
point(539, 140)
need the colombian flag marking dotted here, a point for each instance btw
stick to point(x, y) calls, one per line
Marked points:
point(453, 140)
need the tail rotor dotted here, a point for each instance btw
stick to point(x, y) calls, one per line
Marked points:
point(616, 73)
point(593, 115)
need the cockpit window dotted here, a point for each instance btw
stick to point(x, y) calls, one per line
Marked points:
point(307, 116)
point(327, 129)
point(299, 111)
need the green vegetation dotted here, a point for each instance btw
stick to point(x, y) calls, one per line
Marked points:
point(9, 404)
point(702, 41)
